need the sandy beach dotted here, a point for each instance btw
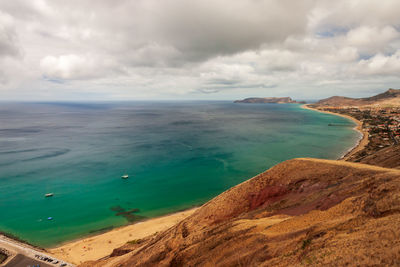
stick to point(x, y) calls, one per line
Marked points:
point(362, 143)
point(99, 246)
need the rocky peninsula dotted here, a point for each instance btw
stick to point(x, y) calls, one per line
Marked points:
point(277, 100)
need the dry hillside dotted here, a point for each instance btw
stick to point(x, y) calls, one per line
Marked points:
point(390, 97)
point(388, 157)
point(300, 212)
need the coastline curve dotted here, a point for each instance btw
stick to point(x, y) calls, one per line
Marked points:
point(363, 140)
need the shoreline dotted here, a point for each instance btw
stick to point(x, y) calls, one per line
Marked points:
point(100, 245)
point(361, 143)
point(95, 233)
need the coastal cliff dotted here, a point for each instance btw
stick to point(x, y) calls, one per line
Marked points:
point(259, 100)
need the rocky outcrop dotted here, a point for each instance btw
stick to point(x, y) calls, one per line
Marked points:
point(302, 211)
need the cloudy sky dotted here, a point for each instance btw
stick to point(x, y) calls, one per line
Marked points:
point(197, 49)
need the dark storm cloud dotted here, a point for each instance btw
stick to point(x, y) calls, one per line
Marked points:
point(8, 37)
point(203, 29)
point(173, 32)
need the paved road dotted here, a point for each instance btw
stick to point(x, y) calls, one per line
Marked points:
point(23, 261)
point(26, 254)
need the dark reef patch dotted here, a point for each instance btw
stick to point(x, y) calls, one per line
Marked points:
point(127, 214)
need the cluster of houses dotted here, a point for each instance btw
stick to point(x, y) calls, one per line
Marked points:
point(386, 123)
point(382, 123)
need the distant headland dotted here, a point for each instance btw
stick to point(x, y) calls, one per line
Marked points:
point(277, 100)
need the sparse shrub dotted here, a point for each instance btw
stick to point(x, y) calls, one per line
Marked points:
point(135, 241)
point(306, 243)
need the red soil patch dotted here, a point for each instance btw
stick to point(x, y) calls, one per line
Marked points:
point(266, 196)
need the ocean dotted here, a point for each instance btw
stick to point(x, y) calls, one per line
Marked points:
point(177, 155)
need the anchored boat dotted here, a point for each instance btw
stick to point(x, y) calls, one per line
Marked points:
point(49, 195)
point(125, 176)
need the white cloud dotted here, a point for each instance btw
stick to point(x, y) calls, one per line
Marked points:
point(72, 67)
point(343, 55)
point(348, 14)
point(372, 39)
point(197, 49)
point(381, 65)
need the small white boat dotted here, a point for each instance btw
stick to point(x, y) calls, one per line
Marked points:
point(125, 176)
point(49, 195)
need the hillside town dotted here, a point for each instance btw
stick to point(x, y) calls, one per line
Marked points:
point(382, 124)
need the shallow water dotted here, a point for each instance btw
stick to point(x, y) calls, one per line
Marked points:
point(177, 154)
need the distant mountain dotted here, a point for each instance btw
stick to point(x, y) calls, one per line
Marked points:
point(258, 100)
point(390, 97)
point(389, 94)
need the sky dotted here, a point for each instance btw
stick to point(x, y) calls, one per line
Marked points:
point(84, 50)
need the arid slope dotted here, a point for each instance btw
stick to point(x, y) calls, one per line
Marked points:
point(302, 211)
point(388, 157)
point(390, 97)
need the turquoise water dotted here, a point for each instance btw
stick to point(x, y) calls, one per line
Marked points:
point(177, 154)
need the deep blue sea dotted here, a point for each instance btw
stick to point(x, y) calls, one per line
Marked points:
point(177, 154)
